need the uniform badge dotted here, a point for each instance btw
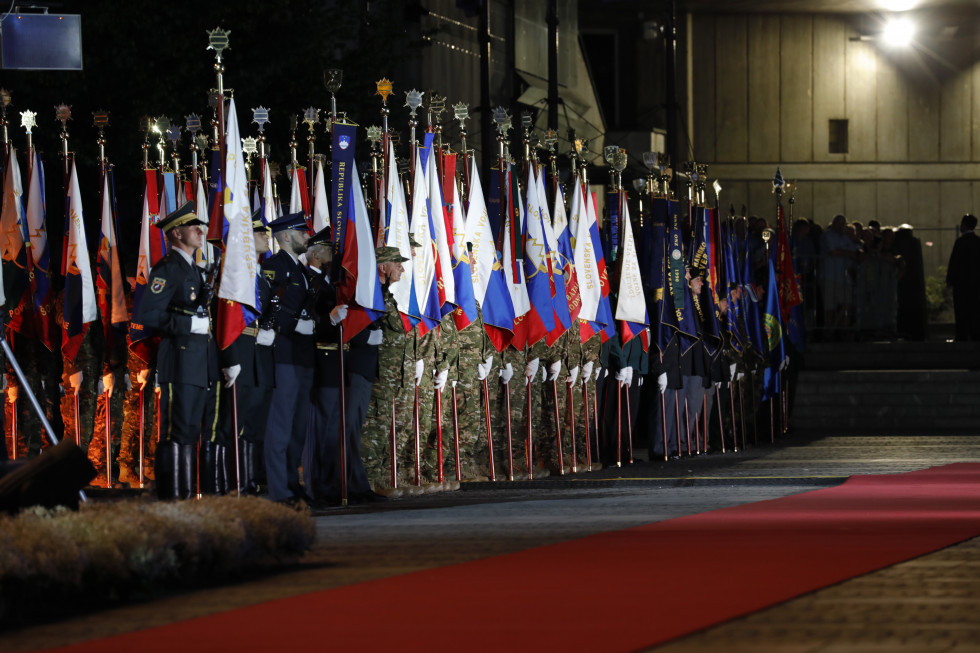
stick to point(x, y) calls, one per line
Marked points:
point(269, 274)
point(193, 295)
point(157, 286)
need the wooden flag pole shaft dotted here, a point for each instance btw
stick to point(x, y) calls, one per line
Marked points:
point(529, 445)
point(486, 416)
point(234, 429)
point(588, 424)
point(439, 433)
point(510, 438)
point(571, 426)
point(459, 476)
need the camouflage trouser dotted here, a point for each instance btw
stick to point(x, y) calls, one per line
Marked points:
point(129, 449)
point(97, 445)
point(375, 437)
point(88, 361)
point(42, 369)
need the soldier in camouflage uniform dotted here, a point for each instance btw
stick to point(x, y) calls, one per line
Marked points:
point(475, 349)
point(519, 362)
point(444, 373)
point(80, 378)
point(424, 350)
point(140, 378)
point(114, 378)
point(395, 371)
point(552, 371)
point(42, 368)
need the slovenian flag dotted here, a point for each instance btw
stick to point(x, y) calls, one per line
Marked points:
point(360, 287)
point(80, 306)
point(321, 208)
point(556, 270)
point(424, 262)
point(537, 268)
point(396, 235)
point(238, 291)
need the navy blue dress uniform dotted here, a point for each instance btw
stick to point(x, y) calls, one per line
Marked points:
point(289, 412)
point(187, 362)
point(253, 350)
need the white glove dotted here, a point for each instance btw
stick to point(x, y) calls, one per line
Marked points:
point(741, 375)
point(129, 383)
point(200, 325)
point(453, 383)
point(230, 374)
point(604, 375)
point(639, 382)
point(419, 369)
point(107, 383)
point(731, 371)
point(587, 371)
point(783, 365)
point(532, 369)
point(573, 375)
point(375, 336)
point(265, 337)
point(142, 377)
point(506, 373)
point(338, 314)
point(717, 385)
point(662, 382)
point(440, 379)
point(75, 380)
point(483, 369)
point(12, 394)
point(554, 369)
point(304, 327)
point(625, 375)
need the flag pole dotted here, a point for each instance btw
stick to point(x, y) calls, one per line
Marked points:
point(510, 440)
point(619, 423)
point(486, 416)
point(384, 89)
point(100, 124)
point(529, 446)
point(63, 114)
point(588, 426)
point(629, 425)
point(571, 425)
point(459, 476)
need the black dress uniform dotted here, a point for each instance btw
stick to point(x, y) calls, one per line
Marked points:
point(289, 413)
point(187, 363)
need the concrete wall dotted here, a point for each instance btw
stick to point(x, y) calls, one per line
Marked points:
point(764, 88)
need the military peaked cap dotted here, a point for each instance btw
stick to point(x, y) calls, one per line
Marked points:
point(182, 217)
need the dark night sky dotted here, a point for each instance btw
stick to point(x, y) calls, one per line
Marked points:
point(151, 59)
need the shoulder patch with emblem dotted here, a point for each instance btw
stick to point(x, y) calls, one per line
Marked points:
point(269, 274)
point(156, 287)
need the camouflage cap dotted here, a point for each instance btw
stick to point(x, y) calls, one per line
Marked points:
point(387, 254)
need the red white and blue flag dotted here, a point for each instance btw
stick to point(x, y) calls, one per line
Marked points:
point(360, 287)
point(110, 282)
point(40, 254)
point(631, 308)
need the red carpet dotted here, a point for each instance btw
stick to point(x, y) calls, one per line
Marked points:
point(618, 591)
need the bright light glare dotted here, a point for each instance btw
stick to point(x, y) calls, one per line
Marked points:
point(898, 5)
point(898, 32)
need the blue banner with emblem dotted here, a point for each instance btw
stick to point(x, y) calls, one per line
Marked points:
point(342, 172)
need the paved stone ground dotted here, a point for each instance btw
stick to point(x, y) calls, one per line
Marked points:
point(927, 604)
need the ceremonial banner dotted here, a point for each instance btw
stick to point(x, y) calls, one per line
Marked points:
point(514, 275)
point(216, 193)
point(112, 291)
point(151, 210)
point(564, 255)
point(631, 309)
point(321, 210)
point(44, 309)
point(80, 307)
point(344, 138)
point(238, 291)
point(360, 287)
point(299, 198)
point(396, 235)
point(489, 285)
point(16, 261)
point(437, 213)
point(465, 311)
point(424, 273)
point(775, 349)
point(603, 322)
point(556, 270)
point(541, 317)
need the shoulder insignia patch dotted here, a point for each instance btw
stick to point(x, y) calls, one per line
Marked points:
point(269, 274)
point(156, 287)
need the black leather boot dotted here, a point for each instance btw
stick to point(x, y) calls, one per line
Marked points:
point(246, 466)
point(220, 470)
point(207, 467)
point(165, 470)
point(185, 475)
